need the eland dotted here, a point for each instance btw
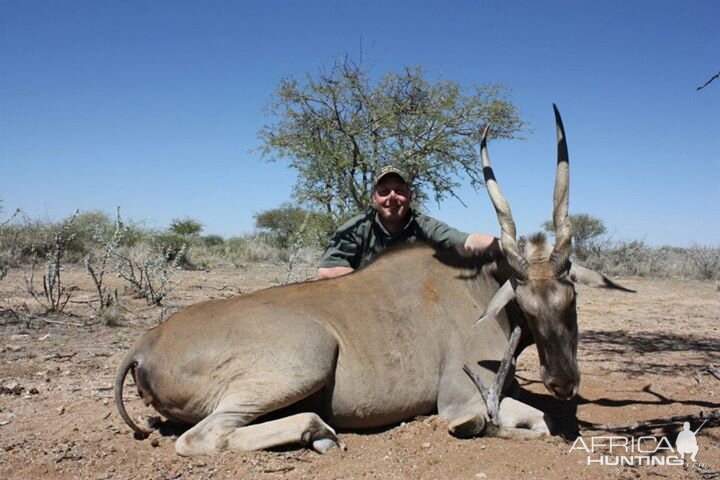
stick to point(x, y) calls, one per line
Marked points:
point(290, 364)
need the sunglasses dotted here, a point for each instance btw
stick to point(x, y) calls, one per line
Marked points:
point(400, 190)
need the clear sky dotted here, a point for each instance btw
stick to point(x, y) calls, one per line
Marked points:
point(155, 105)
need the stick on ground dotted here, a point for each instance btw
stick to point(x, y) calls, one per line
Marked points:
point(493, 394)
point(712, 417)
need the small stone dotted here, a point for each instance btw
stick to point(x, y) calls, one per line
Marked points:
point(426, 445)
point(154, 443)
point(60, 410)
point(12, 388)
point(14, 348)
point(34, 391)
point(480, 475)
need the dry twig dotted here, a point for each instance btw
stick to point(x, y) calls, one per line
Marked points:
point(493, 394)
point(712, 370)
point(714, 77)
point(712, 417)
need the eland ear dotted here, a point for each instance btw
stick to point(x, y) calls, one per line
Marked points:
point(592, 278)
point(501, 298)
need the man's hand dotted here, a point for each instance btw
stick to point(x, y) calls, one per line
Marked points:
point(332, 272)
point(481, 244)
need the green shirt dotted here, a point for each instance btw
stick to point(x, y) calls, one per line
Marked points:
point(364, 237)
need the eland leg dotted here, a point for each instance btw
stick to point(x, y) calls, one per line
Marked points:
point(460, 403)
point(508, 418)
point(471, 420)
point(519, 420)
point(273, 384)
point(224, 430)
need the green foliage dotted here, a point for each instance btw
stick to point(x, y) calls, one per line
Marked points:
point(212, 240)
point(587, 231)
point(7, 255)
point(149, 260)
point(86, 232)
point(339, 126)
point(172, 247)
point(186, 227)
point(133, 234)
point(94, 227)
point(288, 224)
point(174, 243)
point(34, 239)
point(282, 221)
point(87, 223)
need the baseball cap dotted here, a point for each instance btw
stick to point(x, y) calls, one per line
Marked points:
point(390, 170)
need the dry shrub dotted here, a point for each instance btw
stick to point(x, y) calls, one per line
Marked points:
point(55, 295)
point(698, 262)
point(147, 271)
point(256, 248)
point(706, 260)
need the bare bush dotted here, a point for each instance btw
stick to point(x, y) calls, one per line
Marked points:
point(6, 259)
point(294, 252)
point(637, 258)
point(149, 275)
point(110, 241)
point(54, 295)
point(706, 260)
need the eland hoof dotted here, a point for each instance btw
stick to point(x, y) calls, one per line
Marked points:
point(324, 445)
point(470, 426)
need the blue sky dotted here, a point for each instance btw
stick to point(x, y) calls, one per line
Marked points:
point(155, 106)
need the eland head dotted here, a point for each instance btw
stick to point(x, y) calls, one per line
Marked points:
point(543, 277)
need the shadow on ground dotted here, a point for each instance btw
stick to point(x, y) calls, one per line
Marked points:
point(641, 352)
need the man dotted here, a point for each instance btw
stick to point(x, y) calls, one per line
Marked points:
point(390, 222)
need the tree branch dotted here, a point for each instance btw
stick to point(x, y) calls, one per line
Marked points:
point(713, 78)
point(712, 417)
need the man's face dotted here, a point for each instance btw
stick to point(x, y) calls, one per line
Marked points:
point(392, 199)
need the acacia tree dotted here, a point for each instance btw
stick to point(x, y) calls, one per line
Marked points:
point(186, 227)
point(282, 222)
point(587, 229)
point(338, 127)
point(288, 221)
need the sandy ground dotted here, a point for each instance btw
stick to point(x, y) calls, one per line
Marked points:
point(643, 356)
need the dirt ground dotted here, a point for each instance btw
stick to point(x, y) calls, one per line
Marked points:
point(643, 356)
